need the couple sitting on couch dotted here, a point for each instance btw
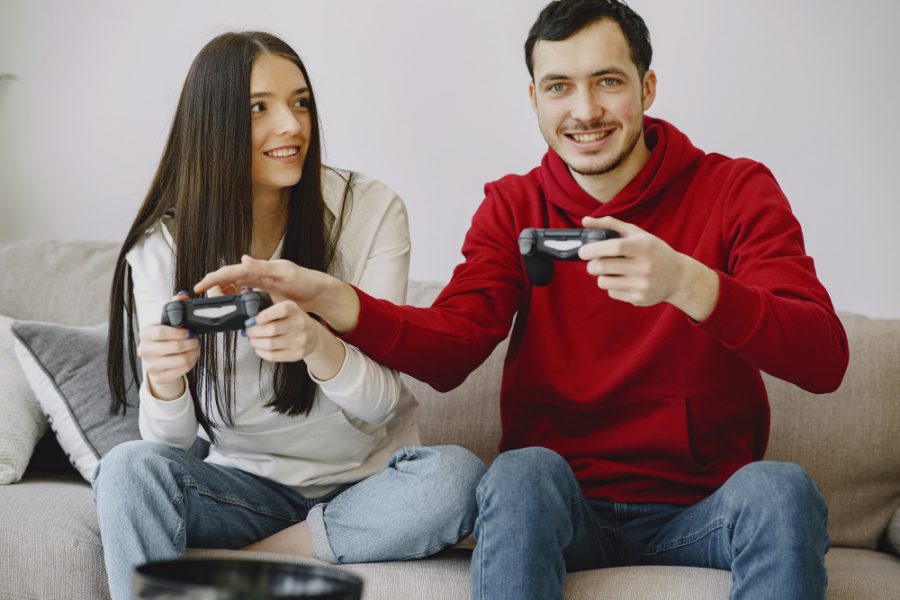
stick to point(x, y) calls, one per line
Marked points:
point(634, 415)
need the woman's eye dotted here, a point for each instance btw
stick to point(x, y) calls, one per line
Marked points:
point(258, 107)
point(302, 102)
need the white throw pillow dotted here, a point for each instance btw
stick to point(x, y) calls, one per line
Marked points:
point(22, 423)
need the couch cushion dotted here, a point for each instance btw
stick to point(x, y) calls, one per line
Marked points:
point(50, 548)
point(852, 574)
point(50, 541)
point(848, 440)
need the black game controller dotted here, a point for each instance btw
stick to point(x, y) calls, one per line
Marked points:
point(220, 313)
point(540, 247)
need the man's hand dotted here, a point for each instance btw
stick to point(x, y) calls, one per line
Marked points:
point(330, 298)
point(282, 279)
point(641, 269)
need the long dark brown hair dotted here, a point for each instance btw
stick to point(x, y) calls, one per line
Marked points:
point(204, 182)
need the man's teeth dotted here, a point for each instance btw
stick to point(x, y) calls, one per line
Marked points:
point(589, 137)
point(283, 152)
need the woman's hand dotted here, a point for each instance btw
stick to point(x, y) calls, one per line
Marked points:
point(333, 300)
point(168, 354)
point(284, 332)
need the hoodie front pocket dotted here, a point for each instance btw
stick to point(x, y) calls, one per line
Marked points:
point(632, 430)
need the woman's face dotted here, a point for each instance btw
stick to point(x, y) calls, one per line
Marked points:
point(280, 122)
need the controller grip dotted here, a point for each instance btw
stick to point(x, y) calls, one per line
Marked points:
point(539, 269)
point(255, 302)
point(173, 314)
point(528, 241)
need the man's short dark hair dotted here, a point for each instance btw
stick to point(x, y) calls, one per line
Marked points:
point(562, 19)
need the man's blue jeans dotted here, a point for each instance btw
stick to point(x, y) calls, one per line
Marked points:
point(154, 501)
point(766, 524)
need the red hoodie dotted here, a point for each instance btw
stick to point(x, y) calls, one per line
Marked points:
point(644, 404)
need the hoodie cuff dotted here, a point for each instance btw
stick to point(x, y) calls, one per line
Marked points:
point(377, 328)
point(736, 314)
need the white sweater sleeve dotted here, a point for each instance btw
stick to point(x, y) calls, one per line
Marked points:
point(171, 422)
point(365, 388)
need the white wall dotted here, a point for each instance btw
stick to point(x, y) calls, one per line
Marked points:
point(430, 97)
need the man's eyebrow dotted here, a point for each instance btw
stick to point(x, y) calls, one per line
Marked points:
point(296, 92)
point(601, 73)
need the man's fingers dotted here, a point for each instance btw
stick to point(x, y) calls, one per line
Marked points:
point(614, 248)
point(610, 266)
point(250, 271)
point(621, 227)
point(230, 275)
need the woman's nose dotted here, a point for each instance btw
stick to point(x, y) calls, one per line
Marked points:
point(288, 123)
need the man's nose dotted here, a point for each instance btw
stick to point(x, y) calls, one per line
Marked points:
point(586, 106)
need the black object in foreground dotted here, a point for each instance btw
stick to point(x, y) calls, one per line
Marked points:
point(197, 579)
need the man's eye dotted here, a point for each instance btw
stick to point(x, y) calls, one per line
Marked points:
point(557, 87)
point(610, 82)
point(258, 107)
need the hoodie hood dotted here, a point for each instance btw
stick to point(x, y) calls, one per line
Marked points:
point(671, 155)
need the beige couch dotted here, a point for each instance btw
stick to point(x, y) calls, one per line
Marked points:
point(849, 441)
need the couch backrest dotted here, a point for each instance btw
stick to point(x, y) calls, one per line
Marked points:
point(59, 282)
point(849, 441)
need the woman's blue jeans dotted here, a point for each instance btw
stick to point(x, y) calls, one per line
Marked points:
point(766, 524)
point(153, 501)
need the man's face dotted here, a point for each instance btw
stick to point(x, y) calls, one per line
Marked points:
point(589, 98)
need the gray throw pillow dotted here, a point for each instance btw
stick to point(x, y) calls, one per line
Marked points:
point(66, 368)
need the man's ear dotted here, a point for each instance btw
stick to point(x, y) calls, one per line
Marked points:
point(648, 89)
point(531, 96)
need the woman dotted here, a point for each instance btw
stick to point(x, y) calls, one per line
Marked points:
point(298, 422)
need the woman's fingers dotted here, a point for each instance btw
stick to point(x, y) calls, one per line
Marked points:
point(162, 333)
point(181, 363)
point(167, 353)
point(158, 349)
point(282, 333)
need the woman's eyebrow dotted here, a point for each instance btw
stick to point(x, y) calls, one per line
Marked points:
point(302, 90)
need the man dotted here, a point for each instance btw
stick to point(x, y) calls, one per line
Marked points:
point(634, 415)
